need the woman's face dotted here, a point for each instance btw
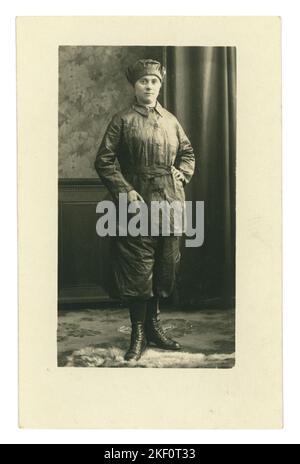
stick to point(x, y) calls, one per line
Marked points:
point(147, 89)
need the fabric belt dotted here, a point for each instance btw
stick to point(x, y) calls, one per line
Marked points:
point(150, 171)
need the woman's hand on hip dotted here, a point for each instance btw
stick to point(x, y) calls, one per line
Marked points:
point(178, 175)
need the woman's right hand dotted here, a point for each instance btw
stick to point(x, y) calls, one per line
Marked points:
point(133, 195)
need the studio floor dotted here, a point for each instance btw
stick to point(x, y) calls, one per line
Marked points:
point(99, 338)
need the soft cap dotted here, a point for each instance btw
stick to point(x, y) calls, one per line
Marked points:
point(144, 68)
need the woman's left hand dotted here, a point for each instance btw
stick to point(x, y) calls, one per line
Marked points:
point(178, 175)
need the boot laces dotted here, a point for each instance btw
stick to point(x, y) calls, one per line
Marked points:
point(159, 329)
point(137, 337)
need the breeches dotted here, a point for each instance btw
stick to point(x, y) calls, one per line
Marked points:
point(144, 267)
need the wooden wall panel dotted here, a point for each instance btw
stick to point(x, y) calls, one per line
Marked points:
point(83, 256)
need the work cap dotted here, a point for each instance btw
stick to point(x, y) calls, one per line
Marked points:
point(144, 68)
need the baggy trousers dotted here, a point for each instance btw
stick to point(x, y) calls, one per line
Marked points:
point(144, 267)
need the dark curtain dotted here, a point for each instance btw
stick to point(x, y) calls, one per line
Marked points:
point(201, 91)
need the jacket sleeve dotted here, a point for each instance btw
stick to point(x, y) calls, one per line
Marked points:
point(185, 159)
point(106, 164)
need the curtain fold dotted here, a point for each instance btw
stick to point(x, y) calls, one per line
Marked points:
point(201, 91)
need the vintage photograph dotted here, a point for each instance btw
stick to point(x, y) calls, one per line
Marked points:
point(147, 206)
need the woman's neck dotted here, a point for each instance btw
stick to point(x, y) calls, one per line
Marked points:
point(153, 105)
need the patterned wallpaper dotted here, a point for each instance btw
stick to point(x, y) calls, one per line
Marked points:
point(92, 87)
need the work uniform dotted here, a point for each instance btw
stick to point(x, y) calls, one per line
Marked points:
point(138, 150)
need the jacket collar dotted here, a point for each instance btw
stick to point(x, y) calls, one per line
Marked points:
point(144, 110)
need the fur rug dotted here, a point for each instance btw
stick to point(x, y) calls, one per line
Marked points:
point(152, 358)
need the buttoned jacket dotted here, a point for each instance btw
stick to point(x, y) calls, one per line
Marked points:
point(138, 150)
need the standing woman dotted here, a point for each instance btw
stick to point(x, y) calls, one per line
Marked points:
point(146, 154)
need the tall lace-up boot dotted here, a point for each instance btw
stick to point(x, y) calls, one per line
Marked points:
point(138, 342)
point(154, 332)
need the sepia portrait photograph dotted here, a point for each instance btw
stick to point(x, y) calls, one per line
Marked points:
point(146, 229)
point(149, 189)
